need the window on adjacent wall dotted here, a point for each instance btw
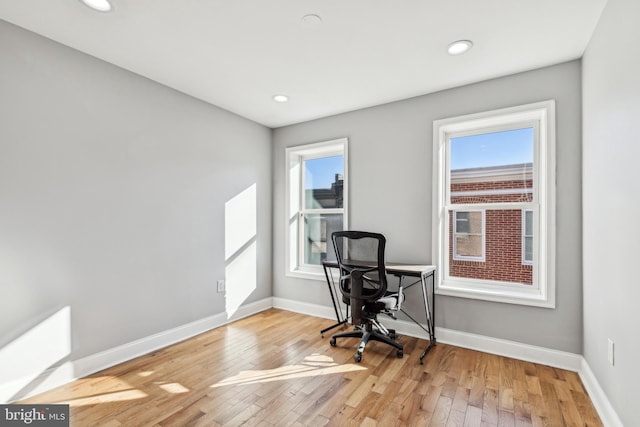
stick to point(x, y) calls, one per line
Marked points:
point(494, 202)
point(317, 202)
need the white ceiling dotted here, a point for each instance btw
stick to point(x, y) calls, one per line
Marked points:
point(237, 54)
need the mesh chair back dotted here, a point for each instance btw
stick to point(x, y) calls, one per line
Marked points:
point(360, 254)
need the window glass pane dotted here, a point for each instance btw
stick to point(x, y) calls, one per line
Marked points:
point(462, 222)
point(492, 167)
point(502, 257)
point(475, 222)
point(317, 236)
point(469, 234)
point(469, 222)
point(469, 245)
point(528, 228)
point(528, 248)
point(323, 182)
point(528, 236)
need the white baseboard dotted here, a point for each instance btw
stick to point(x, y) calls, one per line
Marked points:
point(304, 308)
point(608, 415)
point(72, 370)
point(530, 353)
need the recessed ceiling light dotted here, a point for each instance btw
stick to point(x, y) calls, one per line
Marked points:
point(99, 5)
point(311, 20)
point(280, 98)
point(460, 46)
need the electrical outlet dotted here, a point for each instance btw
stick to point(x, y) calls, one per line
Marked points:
point(220, 286)
point(610, 351)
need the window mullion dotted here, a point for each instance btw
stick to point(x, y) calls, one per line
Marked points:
point(489, 206)
point(322, 211)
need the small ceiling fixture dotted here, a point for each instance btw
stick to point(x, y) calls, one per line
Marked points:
point(99, 5)
point(460, 46)
point(280, 98)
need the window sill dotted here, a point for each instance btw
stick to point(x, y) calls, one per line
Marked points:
point(307, 274)
point(529, 296)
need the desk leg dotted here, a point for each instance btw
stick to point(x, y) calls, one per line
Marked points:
point(335, 325)
point(430, 312)
point(336, 306)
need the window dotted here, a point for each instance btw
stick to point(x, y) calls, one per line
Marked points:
point(527, 237)
point(468, 243)
point(317, 202)
point(494, 205)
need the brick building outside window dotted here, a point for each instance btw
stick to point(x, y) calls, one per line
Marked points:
point(491, 244)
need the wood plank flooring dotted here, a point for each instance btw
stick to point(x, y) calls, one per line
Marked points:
point(274, 369)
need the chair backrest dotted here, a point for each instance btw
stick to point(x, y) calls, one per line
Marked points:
point(360, 257)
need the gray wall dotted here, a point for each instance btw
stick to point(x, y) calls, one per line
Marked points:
point(611, 91)
point(112, 197)
point(390, 172)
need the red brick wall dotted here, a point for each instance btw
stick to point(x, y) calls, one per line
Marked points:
point(493, 198)
point(491, 185)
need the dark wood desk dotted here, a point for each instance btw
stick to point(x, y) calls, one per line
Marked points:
point(401, 271)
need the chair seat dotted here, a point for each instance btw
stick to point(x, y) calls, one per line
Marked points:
point(391, 301)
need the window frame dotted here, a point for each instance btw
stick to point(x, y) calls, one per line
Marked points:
point(296, 209)
point(542, 291)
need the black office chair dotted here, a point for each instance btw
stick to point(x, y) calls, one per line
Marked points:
point(363, 284)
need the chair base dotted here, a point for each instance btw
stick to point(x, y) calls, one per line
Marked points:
point(369, 334)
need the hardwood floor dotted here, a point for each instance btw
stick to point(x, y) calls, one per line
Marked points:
point(274, 369)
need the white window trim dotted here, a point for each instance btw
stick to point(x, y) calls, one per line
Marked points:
point(294, 156)
point(457, 257)
point(542, 292)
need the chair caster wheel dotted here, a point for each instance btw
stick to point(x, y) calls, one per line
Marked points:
point(400, 354)
point(332, 341)
point(357, 357)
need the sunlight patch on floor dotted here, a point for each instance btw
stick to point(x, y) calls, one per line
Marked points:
point(312, 366)
point(174, 388)
point(110, 389)
point(116, 396)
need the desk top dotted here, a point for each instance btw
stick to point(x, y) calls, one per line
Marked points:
point(397, 268)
